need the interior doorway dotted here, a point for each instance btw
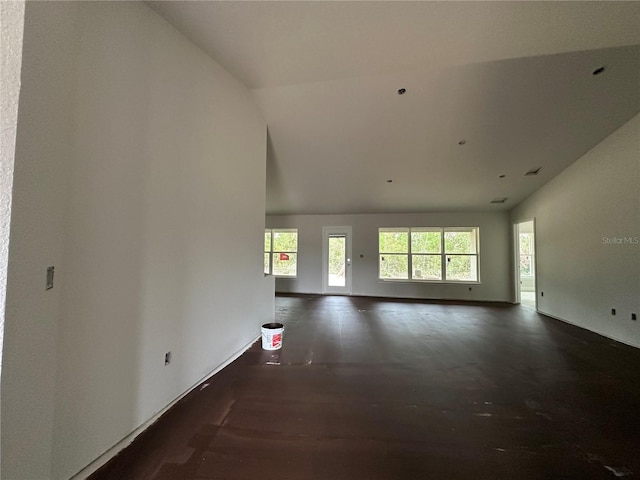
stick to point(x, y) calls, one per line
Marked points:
point(336, 260)
point(526, 263)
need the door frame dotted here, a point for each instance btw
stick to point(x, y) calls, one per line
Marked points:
point(516, 260)
point(326, 232)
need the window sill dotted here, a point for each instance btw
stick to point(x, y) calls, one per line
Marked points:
point(432, 282)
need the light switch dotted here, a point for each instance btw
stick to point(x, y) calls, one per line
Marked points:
point(49, 278)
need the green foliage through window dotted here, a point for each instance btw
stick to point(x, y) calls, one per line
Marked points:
point(526, 254)
point(394, 267)
point(394, 242)
point(337, 261)
point(428, 254)
point(281, 252)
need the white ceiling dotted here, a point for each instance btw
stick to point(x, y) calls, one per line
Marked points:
point(513, 79)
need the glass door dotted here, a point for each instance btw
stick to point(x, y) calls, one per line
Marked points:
point(526, 264)
point(336, 252)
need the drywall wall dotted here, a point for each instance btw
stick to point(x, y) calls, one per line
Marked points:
point(494, 254)
point(43, 145)
point(11, 29)
point(139, 174)
point(588, 238)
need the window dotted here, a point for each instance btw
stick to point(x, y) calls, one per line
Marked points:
point(429, 254)
point(281, 252)
point(526, 255)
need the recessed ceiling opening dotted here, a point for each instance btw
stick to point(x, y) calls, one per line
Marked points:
point(402, 91)
point(499, 200)
point(533, 171)
point(598, 71)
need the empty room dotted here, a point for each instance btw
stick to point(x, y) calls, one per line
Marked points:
point(320, 240)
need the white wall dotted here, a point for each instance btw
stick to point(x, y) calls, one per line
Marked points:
point(139, 174)
point(43, 146)
point(588, 235)
point(11, 31)
point(494, 254)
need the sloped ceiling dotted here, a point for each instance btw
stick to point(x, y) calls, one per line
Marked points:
point(512, 81)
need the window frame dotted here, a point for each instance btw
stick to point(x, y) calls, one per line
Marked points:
point(394, 253)
point(271, 252)
point(443, 254)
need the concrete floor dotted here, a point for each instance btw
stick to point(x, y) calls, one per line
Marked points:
point(383, 389)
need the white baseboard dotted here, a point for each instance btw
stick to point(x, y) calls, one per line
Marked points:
point(126, 441)
point(602, 334)
point(363, 295)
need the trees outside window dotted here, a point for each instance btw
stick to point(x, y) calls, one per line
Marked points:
point(436, 254)
point(281, 252)
point(526, 254)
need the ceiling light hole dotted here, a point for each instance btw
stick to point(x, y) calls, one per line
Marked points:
point(533, 171)
point(499, 200)
point(402, 91)
point(598, 71)
point(462, 142)
point(502, 176)
point(389, 181)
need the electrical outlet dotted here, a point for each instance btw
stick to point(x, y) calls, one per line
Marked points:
point(167, 358)
point(542, 294)
point(633, 316)
point(613, 311)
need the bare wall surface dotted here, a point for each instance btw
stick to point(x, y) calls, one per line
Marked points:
point(588, 238)
point(494, 254)
point(43, 147)
point(11, 25)
point(140, 174)
point(12, 15)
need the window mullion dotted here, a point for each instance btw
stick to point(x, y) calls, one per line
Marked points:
point(271, 253)
point(409, 259)
point(443, 258)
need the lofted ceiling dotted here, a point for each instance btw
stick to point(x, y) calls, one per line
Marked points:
point(492, 89)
